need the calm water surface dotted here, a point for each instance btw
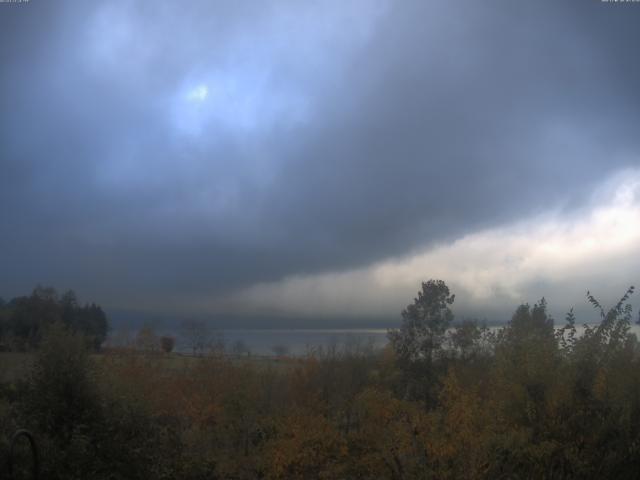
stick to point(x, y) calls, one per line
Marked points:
point(301, 341)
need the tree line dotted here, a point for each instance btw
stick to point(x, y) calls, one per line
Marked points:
point(24, 319)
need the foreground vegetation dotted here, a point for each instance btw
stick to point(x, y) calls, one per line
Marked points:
point(442, 401)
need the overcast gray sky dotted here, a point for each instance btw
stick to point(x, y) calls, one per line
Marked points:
point(319, 159)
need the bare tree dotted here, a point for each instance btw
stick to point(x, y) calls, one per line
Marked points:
point(240, 348)
point(280, 350)
point(196, 335)
point(147, 339)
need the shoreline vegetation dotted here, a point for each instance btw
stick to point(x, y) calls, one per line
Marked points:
point(533, 399)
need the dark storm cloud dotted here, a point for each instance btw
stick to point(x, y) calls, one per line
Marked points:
point(330, 137)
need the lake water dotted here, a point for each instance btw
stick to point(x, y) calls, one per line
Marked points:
point(301, 341)
point(298, 342)
point(268, 341)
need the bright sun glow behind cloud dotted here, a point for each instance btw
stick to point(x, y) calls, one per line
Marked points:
point(240, 100)
point(198, 93)
point(542, 256)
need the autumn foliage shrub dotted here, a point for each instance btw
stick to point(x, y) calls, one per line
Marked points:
point(167, 344)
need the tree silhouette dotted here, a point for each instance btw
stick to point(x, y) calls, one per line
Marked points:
point(419, 340)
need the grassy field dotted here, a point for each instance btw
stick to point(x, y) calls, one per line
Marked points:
point(15, 366)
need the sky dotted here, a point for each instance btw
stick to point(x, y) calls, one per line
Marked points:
point(260, 161)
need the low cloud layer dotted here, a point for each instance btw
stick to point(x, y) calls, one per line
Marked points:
point(555, 255)
point(165, 156)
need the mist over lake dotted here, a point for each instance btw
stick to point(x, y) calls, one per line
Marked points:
point(297, 342)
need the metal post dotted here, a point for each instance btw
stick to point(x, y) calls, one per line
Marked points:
point(34, 451)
